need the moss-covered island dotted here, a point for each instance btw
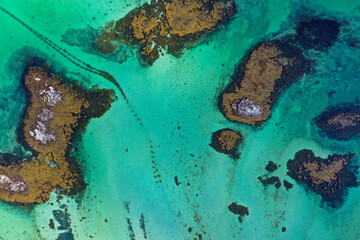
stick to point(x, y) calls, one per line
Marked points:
point(169, 25)
point(258, 80)
point(340, 122)
point(327, 177)
point(226, 141)
point(57, 113)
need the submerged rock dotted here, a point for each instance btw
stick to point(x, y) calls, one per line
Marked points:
point(273, 180)
point(239, 210)
point(288, 185)
point(327, 177)
point(263, 73)
point(165, 25)
point(317, 33)
point(226, 141)
point(55, 115)
point(271, 166)
point(340, 122)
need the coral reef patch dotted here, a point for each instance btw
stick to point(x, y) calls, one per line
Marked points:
point(226, 141)
point(340, 122)
point(165, 25)
point(56, 115)
point(327, 177)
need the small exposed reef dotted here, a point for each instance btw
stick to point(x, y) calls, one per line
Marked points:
point(258, 80)
point(327, 177)
point(288, 185)
point(271, 166)
point(56, 115)
point(226, 141)
point(273, 180)
point(239, 210)
point(317, 34)
point(165, 25)
point(340, 122)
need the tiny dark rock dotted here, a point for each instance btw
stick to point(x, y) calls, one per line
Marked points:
point(288, 185)
point(238, 210)
point(266, 181)
point(271, 166)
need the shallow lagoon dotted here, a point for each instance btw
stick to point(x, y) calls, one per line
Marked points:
point(176, 100)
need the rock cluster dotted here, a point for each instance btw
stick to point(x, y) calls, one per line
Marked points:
point(165, 24)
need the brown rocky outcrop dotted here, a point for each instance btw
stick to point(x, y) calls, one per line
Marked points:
point(56, 114)
point(263, 73)
point(165, 24)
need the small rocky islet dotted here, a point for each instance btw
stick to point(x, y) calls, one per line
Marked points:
point(328, 177)
point(165, 25)
point(226, 141)
point(56, 116)
point(257, 81)
point(270, 67)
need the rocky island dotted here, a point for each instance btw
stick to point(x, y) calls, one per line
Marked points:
point(226, 141)
point(169, 25)
point(327, 177)
point(340, 122)
point(56, 115)
point(258, 80)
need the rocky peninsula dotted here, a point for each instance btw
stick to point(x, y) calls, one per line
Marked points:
point(327, 177)
point(258, 80)
point(165, 25)
point(226, 141)
point(340, 122)
point(56, 115)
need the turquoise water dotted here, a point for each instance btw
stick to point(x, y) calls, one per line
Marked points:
point(176, 100)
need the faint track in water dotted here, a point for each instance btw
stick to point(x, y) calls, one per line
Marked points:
point(80, 64)
point(69, 56)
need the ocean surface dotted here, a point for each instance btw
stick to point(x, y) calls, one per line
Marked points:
point(131, 197)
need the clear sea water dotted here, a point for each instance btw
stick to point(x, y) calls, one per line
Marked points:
point(176, 100)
